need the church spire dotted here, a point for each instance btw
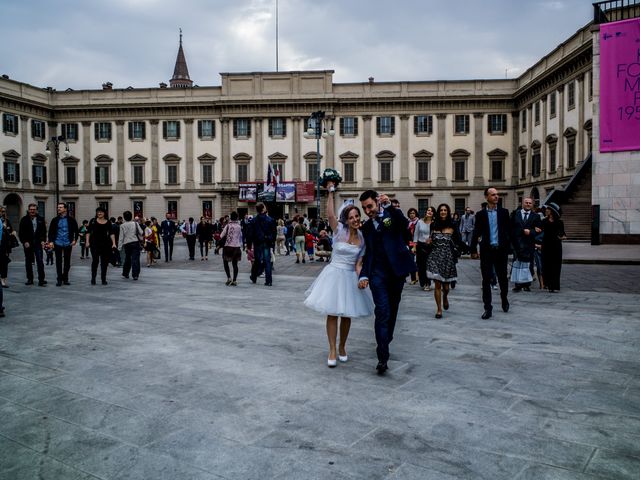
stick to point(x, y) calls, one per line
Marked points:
point(180, 77)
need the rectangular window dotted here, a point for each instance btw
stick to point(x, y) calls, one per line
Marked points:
point(71, 209)
point(461, 124)
point(386, 172)
point(497, 124)
point(385, 125)
point(70, 176)
point(207, 173)
point(535, 164)
point(138, 174)
point(39, 174)
point(536, 113)
point(571, 95)
point(172, 174)
point(137, 131)
point(278, 171)
point(571, 153)
point(277, 127)
point(423, 204)
point(349, 126)
point(172, 208)
point(496, 170)
point(70, 131)
point(459, 205)
point(523, 165)
point(552, 158)
point(11, 172)
point(38, 130)
point(243, 172)
point(102, 131)
point(242, 128)
point(171, 130)
point(524, 120)
point(312, 172)
point(41, 208)
point(590, 78)
point(422, 167)
point(102, 175)
point(552, 104)
point(459, 170)
point(207, 209)
point(206, 129)
point(423, 124)
point(10, 123)
point(349, 172)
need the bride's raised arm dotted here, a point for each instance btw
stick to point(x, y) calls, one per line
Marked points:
point(331, 207)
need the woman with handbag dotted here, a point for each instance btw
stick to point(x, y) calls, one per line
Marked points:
point(422, 240)
point(101, 241)
point(441, 264)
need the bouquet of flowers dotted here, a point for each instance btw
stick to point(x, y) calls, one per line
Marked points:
point(330, 175)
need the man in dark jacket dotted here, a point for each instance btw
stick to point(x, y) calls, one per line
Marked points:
point(168, 231)
point(525, 225)
point(32, 233)
point(63, 233)
point(262, 237)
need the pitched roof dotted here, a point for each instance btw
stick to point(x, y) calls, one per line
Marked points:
point(180, 72)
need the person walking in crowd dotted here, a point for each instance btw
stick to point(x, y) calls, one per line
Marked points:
point(204, 234)
point(288, 243)
point(554, 234)
point(422, 241)
point(441, 263)
point(115, 229)
point(102, 242)
point(493, 228)
point(525, 225)
point(168, 231)
point(130, 237)
point(82, 239)
point(190, 233)
point(335, 291)
point(299, 235)
point(5, 248)
point(413, 216)
point(387, 262)
point(281, 236)
point(63, 233)
point(4, 241)
point(32, 233)
point(263, 235)
point(149, 242)
point(467, 222)
point(232, 250)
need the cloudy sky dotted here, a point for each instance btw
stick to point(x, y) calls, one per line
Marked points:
point(83, 43)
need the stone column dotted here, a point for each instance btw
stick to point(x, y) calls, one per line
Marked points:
point(226, 151)
point(544, 147)
point(259, 168)
point(515, 140)
point(188, 133)
point(404, 150)
point(580, 134)
point(561, 142)
point(24, 150)
point(529, 141)
point(120, 183)
point(478, 150)
point(155, 156)
point(295, 148)
point(367, 181)
point(441, 180)
point(330, 147)
point(87, 182)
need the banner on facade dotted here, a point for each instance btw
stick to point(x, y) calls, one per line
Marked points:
point(266, 192)
point(620, 86)
point(305, 191)
point(286, 192)
point(248, 192)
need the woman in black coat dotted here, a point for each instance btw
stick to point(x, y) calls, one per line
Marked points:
point(554, 234)
point(101, 241)
point(5, 246)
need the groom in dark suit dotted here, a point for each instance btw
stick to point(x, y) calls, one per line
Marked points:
point(386, 264)
point(168, 230)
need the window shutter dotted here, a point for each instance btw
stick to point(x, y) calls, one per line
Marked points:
point(33, 173)
point(199, 128)
point(248, 127)
point(5, 173)
point(164, 130)
point(17, 172)
point(144, 130)
point(341, 126)
point(378, 125)
point(130, 130)
point(97, 131)
point(109, 130)
point(15, 124)
point(355, 126)
point(4, 122)
point(284, 127)
point(415, 124)
point(44, 130)
point(489, 122)
point(393, 125)
point(33, 128)
point(504, 123)
point(235, 128)
point(177, 129)
point(44, 175)
point(213, 128)
point(271, 127)
point(97, 175)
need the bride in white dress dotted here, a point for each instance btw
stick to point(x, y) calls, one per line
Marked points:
point(335, 292)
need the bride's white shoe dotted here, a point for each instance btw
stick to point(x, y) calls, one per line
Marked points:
point(331, 363)
point(343, 358)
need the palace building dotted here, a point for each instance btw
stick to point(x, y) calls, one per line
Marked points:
point(185, 148)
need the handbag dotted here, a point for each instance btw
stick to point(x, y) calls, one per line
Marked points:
point(520, 272)
point(13, 242)
point(155, 252)
point(114, 259)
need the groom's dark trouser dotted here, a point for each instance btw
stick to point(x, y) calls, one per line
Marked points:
point(168, 248)
point(387, 292)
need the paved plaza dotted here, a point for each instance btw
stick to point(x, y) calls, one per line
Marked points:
point(178, 377)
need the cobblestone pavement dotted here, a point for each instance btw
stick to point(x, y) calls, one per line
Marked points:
point(177, 376)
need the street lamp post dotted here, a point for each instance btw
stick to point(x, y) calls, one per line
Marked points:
point(56, 141)
point(319, 130)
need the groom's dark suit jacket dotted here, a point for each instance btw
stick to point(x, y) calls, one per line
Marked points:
point(394, 246)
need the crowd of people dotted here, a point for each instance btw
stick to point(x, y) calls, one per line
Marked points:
point(369, 262)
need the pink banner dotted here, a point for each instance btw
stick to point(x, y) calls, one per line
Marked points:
point(620, 86)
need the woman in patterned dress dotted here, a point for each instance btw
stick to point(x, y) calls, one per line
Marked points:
point(441, 264)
